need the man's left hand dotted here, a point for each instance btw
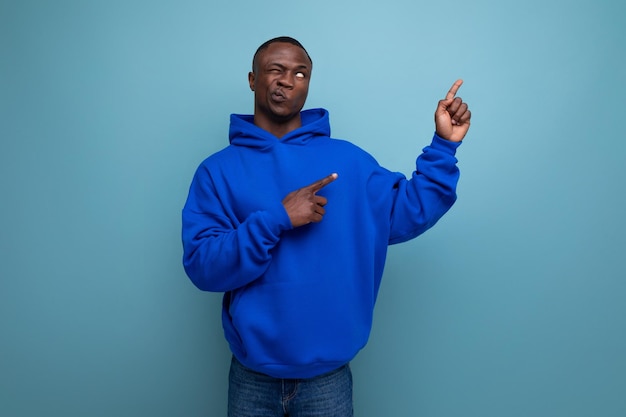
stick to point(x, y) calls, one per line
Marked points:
point(452, 117)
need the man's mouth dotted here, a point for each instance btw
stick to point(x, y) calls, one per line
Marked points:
point(278, 96)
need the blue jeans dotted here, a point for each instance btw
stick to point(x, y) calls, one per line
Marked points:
point(252, 394)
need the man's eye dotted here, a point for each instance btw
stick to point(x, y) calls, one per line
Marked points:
point(300, 75)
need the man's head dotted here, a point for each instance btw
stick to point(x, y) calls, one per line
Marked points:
point(284, 39)
point(281, 70)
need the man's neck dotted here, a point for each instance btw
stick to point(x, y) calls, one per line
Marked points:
point(278, 129)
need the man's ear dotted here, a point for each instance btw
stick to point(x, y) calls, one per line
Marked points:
point(251, 80)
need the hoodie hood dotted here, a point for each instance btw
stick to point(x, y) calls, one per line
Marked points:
point(243, 131)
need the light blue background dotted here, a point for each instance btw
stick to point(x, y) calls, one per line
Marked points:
point(513, 305)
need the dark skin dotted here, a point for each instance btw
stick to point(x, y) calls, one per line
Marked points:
point(452, 117)
point(280, 81)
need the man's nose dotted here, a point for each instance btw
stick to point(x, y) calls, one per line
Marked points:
point(286, 79)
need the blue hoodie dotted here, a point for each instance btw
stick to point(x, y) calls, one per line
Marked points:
point(298, 302)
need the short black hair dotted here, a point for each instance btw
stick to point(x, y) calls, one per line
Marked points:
point(285, 39)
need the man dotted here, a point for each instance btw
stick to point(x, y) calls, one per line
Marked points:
point(293, 226)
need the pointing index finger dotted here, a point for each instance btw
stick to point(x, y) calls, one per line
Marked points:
point(454, 89)
point(318, 185)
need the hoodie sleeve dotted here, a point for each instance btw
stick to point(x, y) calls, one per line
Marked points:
point(219, 252)
point(421, 201)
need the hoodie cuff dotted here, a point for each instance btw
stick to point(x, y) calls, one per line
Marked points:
point(279, 219)
point(444, 145)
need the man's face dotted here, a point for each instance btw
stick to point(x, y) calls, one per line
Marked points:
point(280, 82)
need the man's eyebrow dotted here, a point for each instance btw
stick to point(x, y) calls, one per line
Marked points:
point(282, 65)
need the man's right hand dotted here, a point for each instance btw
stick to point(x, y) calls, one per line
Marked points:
point(304, 206)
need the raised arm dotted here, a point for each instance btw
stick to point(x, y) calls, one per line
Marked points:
point(420, 202)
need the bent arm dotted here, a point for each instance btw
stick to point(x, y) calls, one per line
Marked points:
point(421, 201)
point(220, 253)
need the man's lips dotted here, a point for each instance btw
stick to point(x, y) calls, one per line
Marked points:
point(278, 96)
